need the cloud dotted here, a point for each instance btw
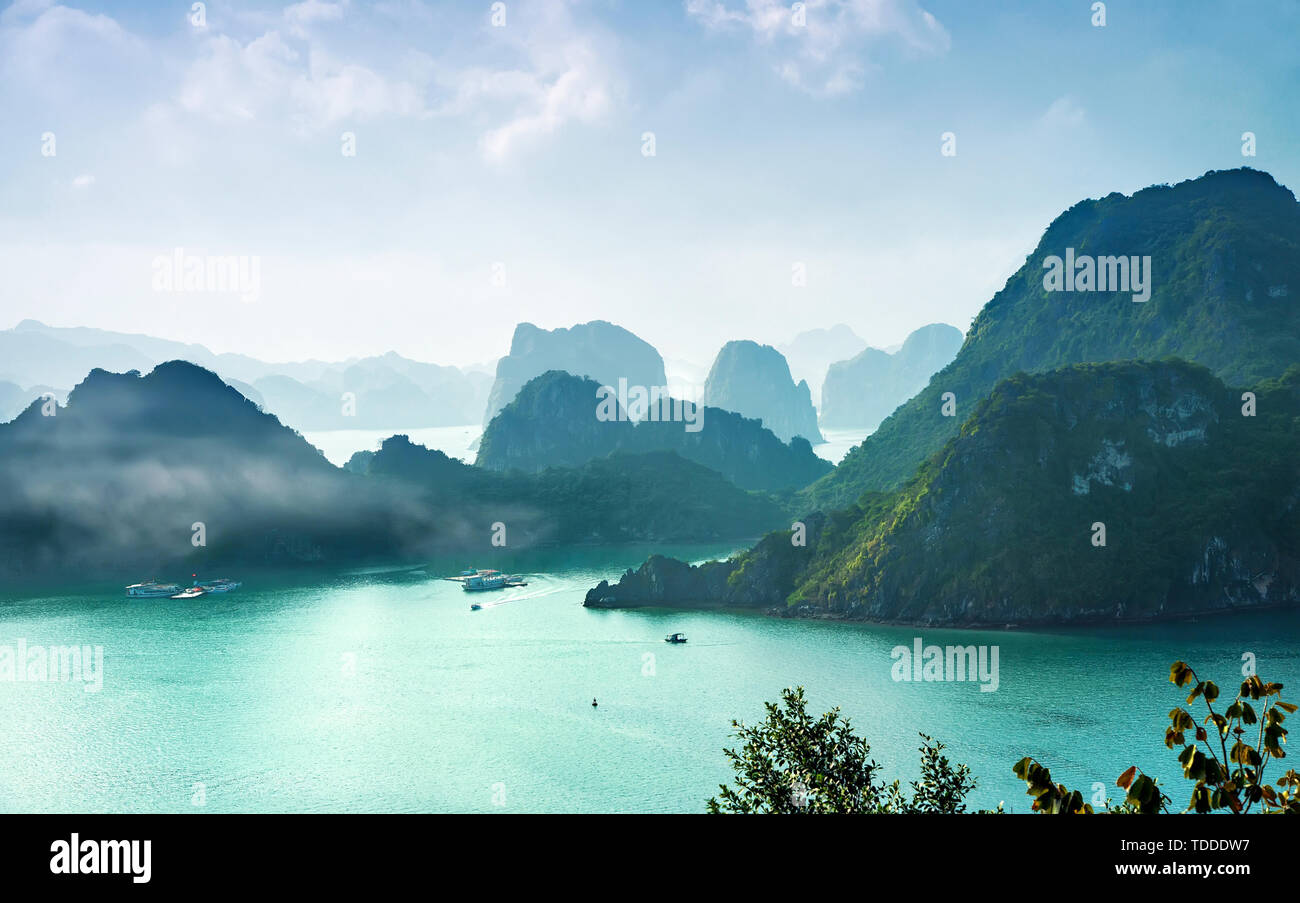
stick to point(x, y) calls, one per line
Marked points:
point(564, 73)
point(37, 38)
point(545, 73)
point(309, 67)
point(23, 9)
point(575, 89)
point(1064, 113)
point(822, 47)
point(300, 15)
point(271, 77)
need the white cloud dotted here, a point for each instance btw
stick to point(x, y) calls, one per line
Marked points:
point(1064, 112)
point(826, 51)
point(307, 67)
point(573, 89)
point(557, 73)
point(23, 9)
point(300, 15)
point(564, 73)
point(270, 78)
point(37, 38)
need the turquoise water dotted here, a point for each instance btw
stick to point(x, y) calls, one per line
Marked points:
point(384, 692)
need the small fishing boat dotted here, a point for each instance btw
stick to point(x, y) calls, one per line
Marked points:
point(192, 593)
point(675, 638)
point(152, 589)
point(475, 607)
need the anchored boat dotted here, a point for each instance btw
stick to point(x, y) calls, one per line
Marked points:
point(152, 589)
point(675, 638)
point(485, 580)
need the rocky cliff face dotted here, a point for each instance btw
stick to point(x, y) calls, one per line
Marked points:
point(754, 380)
point(861, 392)
point(598, 350)
point(762, 578)
point(811, 352)
point(1093, 493)
point(556, 420)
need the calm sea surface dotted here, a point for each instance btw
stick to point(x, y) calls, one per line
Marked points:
point(384, 692)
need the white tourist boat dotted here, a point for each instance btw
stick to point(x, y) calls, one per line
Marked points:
point(152, 589)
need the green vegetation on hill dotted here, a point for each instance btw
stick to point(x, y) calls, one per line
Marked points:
point(1225, 259)
point(553, 422)
point(1199, 505)
point(618, 498)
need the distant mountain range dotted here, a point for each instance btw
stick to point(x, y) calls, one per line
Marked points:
point(384, 392)
point(860, 392)
point(811, 352)
point(396, 393)
point(15, 399)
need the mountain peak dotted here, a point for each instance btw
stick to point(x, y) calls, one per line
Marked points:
point(599, 349)
point(1221, 263)
point(754, 380)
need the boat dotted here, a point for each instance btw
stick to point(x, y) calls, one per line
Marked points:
point(484, 580)
point(152, 589)
point(219, 585)
point(675, 638)
point(475, 607)
point(192, 593)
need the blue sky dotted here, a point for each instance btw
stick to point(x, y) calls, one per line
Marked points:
point(520, 146)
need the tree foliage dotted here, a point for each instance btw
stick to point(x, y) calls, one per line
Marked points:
point(1225, 756)
point(793, 763)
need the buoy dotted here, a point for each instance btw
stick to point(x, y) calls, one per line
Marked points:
point(593, 703)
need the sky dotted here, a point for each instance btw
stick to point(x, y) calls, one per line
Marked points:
point(419, 176)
